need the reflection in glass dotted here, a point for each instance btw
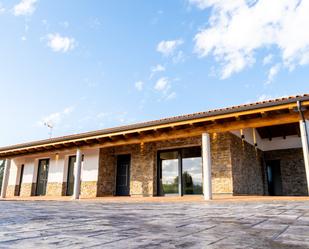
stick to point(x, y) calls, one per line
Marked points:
point(186, 162)
point(169, 178)
point(192, 175)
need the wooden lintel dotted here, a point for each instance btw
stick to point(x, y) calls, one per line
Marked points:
point(214, 128)
point(264, 114)
point(270, 120)
point(90, 141)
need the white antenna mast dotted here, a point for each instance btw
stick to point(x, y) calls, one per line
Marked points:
point(50, 126)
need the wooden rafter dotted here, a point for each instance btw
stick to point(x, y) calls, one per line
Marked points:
point(183, 129)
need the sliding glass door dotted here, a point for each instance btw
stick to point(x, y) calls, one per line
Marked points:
point(169, 172)
point(186, 163)
point(192, 171)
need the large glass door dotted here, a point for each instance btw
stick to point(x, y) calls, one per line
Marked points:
point(180, 172)
point(169, 162)
point(192, 171)
point(42, 177)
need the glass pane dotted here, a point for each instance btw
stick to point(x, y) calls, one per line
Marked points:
point(192, 171)
point(42, 177)
point(70, 181)
point(169, 163)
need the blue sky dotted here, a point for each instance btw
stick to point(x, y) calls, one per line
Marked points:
point(85, 65)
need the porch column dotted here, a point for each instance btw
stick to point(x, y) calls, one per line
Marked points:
point(5, 179)
point(206, 156)
point(304, 133)
point(78, 169)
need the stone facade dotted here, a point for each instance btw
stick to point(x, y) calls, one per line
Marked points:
point(88, 189)
point(54, 189)
point(237, 168)
point(26, 189)
point(247, 168)
point(143, 159)
point(107, 172)
point(292, 170)
point(10, 191)
point(143, 175)
point(64, 189)
point(221, 163)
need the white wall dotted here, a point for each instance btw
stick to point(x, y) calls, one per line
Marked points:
point(90, 166)
point(58, 166)
point(277, 143)
point(13, 173)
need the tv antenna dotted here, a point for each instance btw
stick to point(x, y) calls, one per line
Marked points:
point(50, 126)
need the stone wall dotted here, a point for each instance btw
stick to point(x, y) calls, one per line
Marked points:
point(26, 189)
point(64, 189)
point(292, 170)
point(107, 172)
point(88, 189)
point(222, 182)
point(141, 169)
point(54, 189)
point(143, 176)
point(247, 168)
point(10, 191)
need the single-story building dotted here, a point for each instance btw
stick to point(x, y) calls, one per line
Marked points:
point(252, 149)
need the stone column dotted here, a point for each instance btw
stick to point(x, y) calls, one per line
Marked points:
point(5, 179)
point(304, 133)
point(78, 169)
point(206, 156)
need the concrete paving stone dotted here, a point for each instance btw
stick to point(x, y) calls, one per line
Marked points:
point(94, 224)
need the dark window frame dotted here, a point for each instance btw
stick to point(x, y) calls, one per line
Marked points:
point(37, 177)
point(180, 166)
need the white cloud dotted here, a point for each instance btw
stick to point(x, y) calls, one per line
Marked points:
point(156, 69)
point(268, 59)
point(168, 48)
point(179, 57)
point(264, 97)
point(238, 28)
point(68, 110)
point(172, 95)
point(60, 43)
point(24, 8)
point(56, 118)
point(162, 85)
point(273, 71)
point(2, 9)
point(139, 85)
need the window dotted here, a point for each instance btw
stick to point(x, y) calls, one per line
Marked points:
point(185, 162)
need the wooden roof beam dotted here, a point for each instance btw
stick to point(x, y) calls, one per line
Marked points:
point(264, 114)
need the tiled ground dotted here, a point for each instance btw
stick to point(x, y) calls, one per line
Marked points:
point(81, 224)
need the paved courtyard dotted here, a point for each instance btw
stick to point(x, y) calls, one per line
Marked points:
point(82, 224)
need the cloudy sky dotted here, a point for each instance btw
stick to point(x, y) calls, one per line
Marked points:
point(85, 65)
